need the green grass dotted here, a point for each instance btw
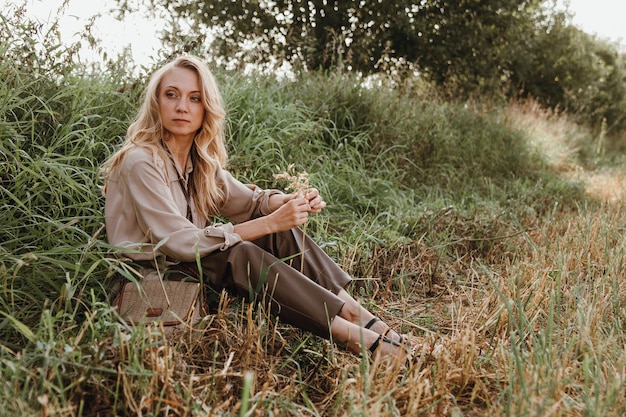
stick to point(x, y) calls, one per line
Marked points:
point(456, 230)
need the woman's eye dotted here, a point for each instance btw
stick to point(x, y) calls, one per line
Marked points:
point(196, 98)
point(170, 94)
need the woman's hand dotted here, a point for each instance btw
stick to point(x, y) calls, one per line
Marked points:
point(293, 213)
point(289, 211)
point(295, 210)
point(313, 197)
point(316, 203)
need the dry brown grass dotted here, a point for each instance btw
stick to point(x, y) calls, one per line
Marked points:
point(531, 333)
point(518, 322)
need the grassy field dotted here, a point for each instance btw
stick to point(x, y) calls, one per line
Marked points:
point(493, 236)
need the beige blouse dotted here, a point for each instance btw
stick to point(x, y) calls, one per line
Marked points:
point(145, 210)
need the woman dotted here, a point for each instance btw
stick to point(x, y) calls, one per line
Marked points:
point(166, 184)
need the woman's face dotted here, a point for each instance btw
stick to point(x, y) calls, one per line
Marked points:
point(180, 104)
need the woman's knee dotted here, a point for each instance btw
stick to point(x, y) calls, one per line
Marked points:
point(244, 249)
point(249, 257)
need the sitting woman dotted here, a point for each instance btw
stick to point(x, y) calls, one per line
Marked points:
point(166, 184)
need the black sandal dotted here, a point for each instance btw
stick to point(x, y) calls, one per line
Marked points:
point(374, 320)
point(385, 339)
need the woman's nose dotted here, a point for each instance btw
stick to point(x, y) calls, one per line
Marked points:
point(181, 106)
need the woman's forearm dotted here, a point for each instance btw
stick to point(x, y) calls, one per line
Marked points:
point(277, 200)
point(288, 212)
point(254, 229)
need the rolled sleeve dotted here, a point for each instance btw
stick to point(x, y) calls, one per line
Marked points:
point(261, 199)
point(225, 232)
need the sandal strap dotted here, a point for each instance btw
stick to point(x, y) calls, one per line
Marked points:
point(393, 342)
point(382, 338)
point(372, 321)
point(374, 345)
point(401, 341)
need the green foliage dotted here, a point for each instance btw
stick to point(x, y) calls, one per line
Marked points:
point(464, 42)
point(57, 124)
point(422, 194)
point(376, 154)
point(385, 161)
point(495, 48)
point(567, 69)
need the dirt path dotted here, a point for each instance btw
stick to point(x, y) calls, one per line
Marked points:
point(555, 137)
point(608, 184)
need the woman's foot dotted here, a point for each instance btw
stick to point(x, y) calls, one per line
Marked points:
point(356, 339)
point(377, 325)
point(387, 348)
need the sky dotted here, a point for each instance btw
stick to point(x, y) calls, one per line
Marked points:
point(137, 32)
point(604, 18)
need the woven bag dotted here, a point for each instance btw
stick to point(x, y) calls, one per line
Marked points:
point(174, 304)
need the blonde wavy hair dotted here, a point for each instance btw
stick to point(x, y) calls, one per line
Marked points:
point(208, 152)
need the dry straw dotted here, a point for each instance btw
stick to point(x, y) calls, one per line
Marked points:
point(298, 182)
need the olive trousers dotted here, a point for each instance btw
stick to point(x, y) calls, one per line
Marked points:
point(286, 271)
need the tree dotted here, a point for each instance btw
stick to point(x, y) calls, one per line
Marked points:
point(466, 46)
point(567, 69)
point(463, 41)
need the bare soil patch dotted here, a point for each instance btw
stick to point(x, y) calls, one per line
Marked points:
point(556, 137)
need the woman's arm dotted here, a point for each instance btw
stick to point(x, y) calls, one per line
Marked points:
point(288, 211)
point(292, 213)
point(145, 213)
point(277, 200)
